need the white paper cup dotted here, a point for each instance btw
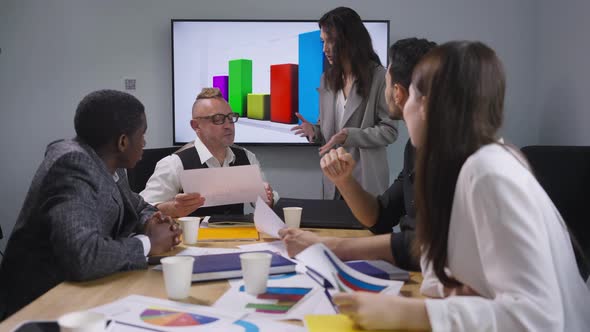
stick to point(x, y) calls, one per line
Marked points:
point(255, 268)
point(190, 229)
point(292, 216)
point(82, 321)
point(178, 272)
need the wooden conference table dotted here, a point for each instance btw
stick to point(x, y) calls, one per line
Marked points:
point(75, 296)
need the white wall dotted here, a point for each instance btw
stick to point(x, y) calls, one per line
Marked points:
point(55, 52)
point(563, 51)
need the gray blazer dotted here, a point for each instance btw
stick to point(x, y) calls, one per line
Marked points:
point(370, 130)
point(75, 224)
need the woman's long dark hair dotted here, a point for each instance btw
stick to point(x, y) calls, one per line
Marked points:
point(352, 43)
point(463, 84)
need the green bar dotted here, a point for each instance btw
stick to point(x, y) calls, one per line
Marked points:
point(269, 307)
point(259, 106)
point(240, 85)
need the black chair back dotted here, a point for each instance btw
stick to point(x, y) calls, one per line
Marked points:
point(564, 173)
point(140, 174)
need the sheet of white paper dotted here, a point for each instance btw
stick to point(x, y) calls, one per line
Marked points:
point(344, 278)
point(266, 220)
point(323, 306)
point(224, 185)
point(275, 246)
point(288, 296)
point(204, 222)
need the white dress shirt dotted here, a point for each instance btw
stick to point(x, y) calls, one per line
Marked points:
point(164, 184)
point(508, 242)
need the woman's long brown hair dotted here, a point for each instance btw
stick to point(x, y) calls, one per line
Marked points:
point(463, 84)
point(352, 43)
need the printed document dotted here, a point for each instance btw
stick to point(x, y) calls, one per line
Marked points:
point(224, 185)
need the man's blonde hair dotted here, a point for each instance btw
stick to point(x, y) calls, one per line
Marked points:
point(208, 93)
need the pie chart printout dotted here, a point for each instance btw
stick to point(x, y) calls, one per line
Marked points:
point(166, 317)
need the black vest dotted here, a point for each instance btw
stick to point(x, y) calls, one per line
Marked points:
point(191, 160)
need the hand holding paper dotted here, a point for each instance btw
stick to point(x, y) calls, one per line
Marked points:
point(225, 185)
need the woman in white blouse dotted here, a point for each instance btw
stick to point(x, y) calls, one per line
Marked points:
point(495, 252)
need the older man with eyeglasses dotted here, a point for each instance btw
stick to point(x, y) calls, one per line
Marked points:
point(213, 122)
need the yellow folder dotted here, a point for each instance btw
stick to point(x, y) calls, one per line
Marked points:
point(332, 323)
point(228, 234)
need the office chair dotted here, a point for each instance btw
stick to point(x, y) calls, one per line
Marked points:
point(140, 174)
point(564, 173)
point(1, 237)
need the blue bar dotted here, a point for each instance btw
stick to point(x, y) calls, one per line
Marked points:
point(311, 67)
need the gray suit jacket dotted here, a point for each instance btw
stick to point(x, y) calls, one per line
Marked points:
point(75, 224)
point(370, 130)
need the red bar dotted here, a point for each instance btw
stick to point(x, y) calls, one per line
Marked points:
point(284, 98)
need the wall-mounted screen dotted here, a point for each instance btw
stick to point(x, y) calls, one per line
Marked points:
point(266, 70)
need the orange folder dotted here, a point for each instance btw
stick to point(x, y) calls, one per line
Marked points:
point(228, 234)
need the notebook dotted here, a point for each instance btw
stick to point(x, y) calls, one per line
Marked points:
point(228, 234)
point(318, 213)
point(227, 266)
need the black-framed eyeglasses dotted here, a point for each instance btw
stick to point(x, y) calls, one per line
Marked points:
point(219, 118)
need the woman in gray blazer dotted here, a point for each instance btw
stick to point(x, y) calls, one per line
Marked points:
point(353, 112)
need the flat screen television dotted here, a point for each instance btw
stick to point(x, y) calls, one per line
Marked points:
point(266, 69)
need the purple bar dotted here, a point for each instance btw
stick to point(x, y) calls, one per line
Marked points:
point(221, 82)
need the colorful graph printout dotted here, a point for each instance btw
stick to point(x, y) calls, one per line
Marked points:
point(290, 297)
point(285, 297)
point(326, 268)
point(165, 317)
point(345, 280)
point(135, 312)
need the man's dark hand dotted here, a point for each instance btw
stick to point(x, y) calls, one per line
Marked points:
point(163, 232)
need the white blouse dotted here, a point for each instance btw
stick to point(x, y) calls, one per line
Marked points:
point(339, 108)
point(508, 242)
